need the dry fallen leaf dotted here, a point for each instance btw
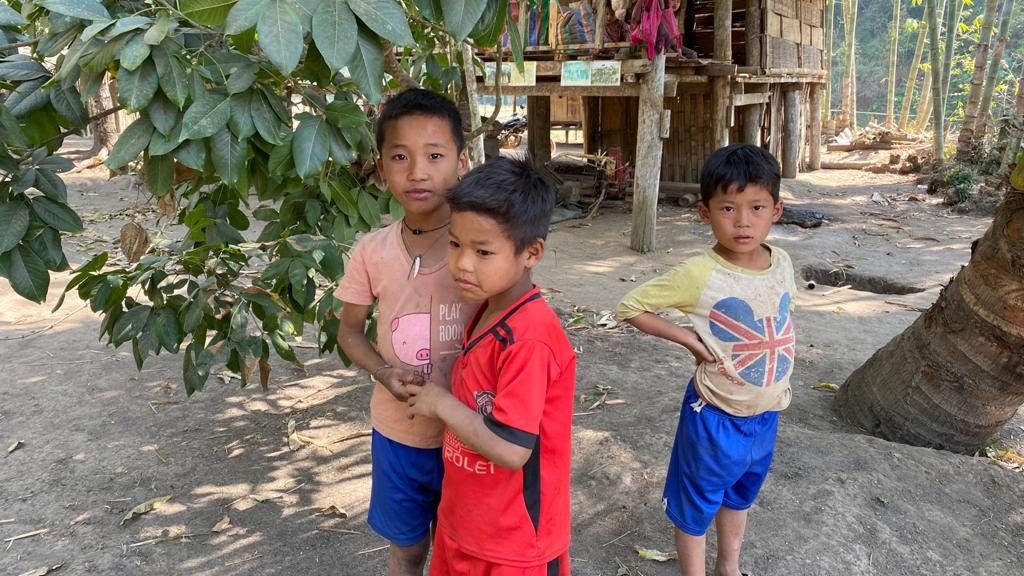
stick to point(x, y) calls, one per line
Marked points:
point(223, 525)
point(134, 241)
point(826, 386)
point(262, 498)
point(42, 571)
point(294, 443)
point(15, 446)
point(332, 509)
point(143, 508)
point(656, 555)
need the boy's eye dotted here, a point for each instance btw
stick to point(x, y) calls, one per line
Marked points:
point(453, 244)
point(484, 252)
point(398, 157)
point(436, 156)
point(727, 209)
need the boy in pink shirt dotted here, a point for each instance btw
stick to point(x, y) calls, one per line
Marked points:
point(403, 269)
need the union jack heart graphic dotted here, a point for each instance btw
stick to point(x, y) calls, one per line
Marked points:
point(762, 349)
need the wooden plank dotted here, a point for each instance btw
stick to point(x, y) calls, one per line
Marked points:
point(805, 35)
point(648, 159)
point(754, 29)
point(791, 29)
point(691, 136)
point(810, 58)
point(783, 54)
point(791, 134)
point(556, 89)
point(749, 98)
point(814, 133)
point(818, 38)
point(553, 68)
point(723, 31)
point(538, 118)
point(720, 112)
point(785, 8)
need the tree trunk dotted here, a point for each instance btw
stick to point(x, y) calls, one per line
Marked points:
point(966, 142)
point(956, 375)
point(952, 27)
point(830, 17)
point(103, 130)
point(850, 34)
point(936, 62)
point(992, 77)
point(924, 105)
point(1016, 132)
point(894, 38)
point(915, 67)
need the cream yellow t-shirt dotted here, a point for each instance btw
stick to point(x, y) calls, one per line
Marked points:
point(419, 325)
point(744, 318)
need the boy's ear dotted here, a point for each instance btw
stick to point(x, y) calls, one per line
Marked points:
point(704, 212)
point(777, 211)
point(534, 253)
point(463, 163)
point(379, 163)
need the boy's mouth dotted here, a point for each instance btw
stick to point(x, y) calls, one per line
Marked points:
point(419, 193)
point(465, 284)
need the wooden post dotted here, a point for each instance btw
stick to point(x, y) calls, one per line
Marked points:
point(599, 25)
point(538, 122)
point(591, 124)
point(791, 133)
point(648, 158)
point(814, 128)
point(476, 145)
point(721, 106)
point(753, 117)
point(755, 33)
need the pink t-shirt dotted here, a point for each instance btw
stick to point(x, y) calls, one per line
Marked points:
point(419, 325)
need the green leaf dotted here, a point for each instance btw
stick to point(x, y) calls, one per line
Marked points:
point(387, 18)
point(84, 9)
point(280, 160)
point(51, 185)
point(305, 9)
point(241, 79)
point(135, 52)
point(206, 116)
point(47, 246)
point(55, 164)
point(12, 134)
point(28, 274)
point(15, 216)
point(159, 174)
point(265, 120)
point(122, 25)
point(192, 154)
point(340, 150)
point(491, 24)
point(10, 17)
point(136, 88)
point(131, 143)
point(367, 66)
point(345, 114)
point(244, 15)
point(57, 215)
point(193, 375)
point(334, 31)
point(395, 209)
point(160, 144)
point(130, 324)
point(310, 145)
point(207, 12)
point(155, 35)
point(168, 330)
point(228, 154)
point(68, 103)
point(369, 210)
point(460, 16)
point(174, 80)
point(241, 116)
point(515, 40)
point(163, 115)
point(282, 348)
point(40, 126)
point(430, 9)
point(280, 35)
point(19, 67)
point(27, 97)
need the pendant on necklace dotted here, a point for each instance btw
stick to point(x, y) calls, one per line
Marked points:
point(415, 269)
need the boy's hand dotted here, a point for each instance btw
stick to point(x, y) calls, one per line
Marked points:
point(397, 381)
point(699, 349)
point(424, 399)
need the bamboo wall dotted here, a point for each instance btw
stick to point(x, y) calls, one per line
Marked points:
point(794, 34)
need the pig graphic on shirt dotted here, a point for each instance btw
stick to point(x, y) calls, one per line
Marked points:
point(410, 339)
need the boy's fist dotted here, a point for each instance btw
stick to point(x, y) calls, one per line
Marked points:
point(397, 380)
point(423, 399)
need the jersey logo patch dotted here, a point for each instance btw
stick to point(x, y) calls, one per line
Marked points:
point(484, 402)
point(762, 348)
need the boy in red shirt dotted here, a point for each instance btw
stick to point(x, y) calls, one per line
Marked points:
point(505, 496)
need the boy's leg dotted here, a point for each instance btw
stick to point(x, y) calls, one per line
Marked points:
point(731, 525)
point(404, 493)
point(691, 553)
point(408, 560)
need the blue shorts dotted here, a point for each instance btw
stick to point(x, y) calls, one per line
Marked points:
point(405, 490)
point(717, 460)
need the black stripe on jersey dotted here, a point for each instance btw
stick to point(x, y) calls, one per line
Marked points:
point(553, 567)
point(531, 487)
point(510, 434)
point(506, 338)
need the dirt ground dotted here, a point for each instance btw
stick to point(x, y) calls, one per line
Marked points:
point(100, 437)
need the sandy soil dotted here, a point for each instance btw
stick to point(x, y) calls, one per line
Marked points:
point(100, 437)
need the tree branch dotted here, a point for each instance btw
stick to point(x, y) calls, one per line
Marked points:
point(6, 47)
point(97, 116)
point(394, 68)
point(485, 126)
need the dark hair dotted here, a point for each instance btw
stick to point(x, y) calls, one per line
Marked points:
point(739, 165)
point(513, 193)
point(417, 101)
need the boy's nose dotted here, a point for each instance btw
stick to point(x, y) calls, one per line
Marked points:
point(417, 170)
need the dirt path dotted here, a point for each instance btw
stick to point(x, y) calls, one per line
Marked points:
point(100, 437)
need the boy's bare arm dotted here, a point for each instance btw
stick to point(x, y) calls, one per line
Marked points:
point(352, 339)
point(657, 326)
point(436, 402)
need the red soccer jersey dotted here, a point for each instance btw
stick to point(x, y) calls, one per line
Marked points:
point(520, 374)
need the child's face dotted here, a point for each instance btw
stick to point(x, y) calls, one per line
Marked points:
point(483, 260)
point(741, 220)
point(420, 162)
